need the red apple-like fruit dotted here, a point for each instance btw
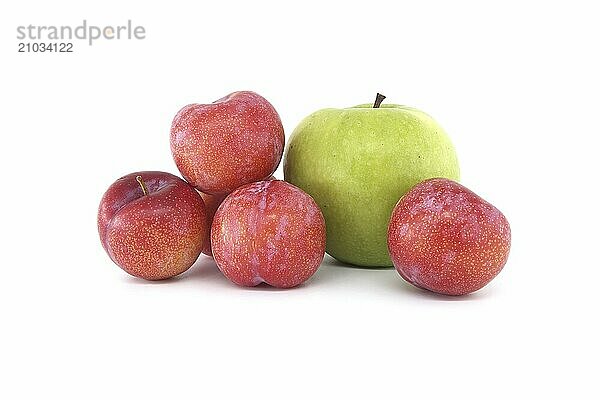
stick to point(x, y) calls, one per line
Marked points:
point(270, 232)
point(152, 224)
point(444, 238)
point(233, 141)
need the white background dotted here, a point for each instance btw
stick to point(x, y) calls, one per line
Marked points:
point(515, 84)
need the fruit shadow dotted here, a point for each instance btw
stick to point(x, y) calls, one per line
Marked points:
point(332, 269)
point(206, 270)
point(426, 294)
point(329, 260)
point(133, 280)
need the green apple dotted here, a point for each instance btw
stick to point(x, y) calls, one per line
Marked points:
point(357, 162)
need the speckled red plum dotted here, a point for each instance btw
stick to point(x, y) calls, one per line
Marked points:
point(233, 141)
point(444, 238)
point(268, 231)
point(152, 224)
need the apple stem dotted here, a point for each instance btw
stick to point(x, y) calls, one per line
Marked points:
point(142, 184)
point(378, 100)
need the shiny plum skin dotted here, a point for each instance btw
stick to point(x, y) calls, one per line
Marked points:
point(444, 238)
point(154, 236)
point(212, 202)
point(231, 142)
point(268, 231)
